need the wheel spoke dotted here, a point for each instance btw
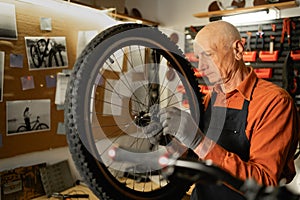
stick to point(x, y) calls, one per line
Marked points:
point(110, 98)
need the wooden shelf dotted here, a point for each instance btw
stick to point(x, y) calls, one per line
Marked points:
point(283, 5)
point(116, 15)
point(132, 19)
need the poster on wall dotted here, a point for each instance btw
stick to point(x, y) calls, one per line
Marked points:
point(2, 54)
point(8, 24)
point(84, 37)
point(26, 116)
point(46, 52)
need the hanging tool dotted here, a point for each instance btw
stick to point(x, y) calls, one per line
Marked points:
point(248, 48)
point(273, 27)
point(286, 29)
point(271, 47)
point(290, 78)
point(272, 39)
point(259, 35)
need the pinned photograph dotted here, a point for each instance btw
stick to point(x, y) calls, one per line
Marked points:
point(62, 80)
point(45, 24)
point(84, 37)
point(46, 52)
point(16, 60)
point(8, 24)
point(25, 116)
point(51, 81)
point(27, 82)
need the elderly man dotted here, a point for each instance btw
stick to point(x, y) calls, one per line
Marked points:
point(260, 132)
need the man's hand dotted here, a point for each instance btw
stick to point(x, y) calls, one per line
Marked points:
point(181, 125)
point(153, 132)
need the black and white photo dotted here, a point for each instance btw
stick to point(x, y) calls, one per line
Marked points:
point(46, 52)
point(25, 116)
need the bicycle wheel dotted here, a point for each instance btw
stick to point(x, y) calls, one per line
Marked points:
point(21, 129)
point(117, 80)
point(35, 56)
point(42, 126)
point(56, 58)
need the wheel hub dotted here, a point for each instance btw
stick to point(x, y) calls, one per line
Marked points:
point(142, 119)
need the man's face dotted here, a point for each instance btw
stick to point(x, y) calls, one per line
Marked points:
point(208, 61)
point(215, 61)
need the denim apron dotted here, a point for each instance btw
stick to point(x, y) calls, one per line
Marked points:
point(232, 138)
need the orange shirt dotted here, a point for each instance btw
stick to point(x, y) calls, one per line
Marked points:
point(272, 130)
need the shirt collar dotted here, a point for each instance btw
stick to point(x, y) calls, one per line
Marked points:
point(245, 88)
point(247, 85)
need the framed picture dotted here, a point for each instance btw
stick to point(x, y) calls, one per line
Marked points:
point(8, 24)
point(25, 116)
point(46, 52)
point(2, 56)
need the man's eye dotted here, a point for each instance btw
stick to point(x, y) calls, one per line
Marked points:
point(206, 54)
point(203, 53)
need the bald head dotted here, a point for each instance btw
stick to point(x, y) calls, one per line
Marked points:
point(219, 33)
point(220, 51)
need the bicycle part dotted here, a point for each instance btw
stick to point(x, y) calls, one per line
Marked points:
point(35, 56)
point(116, 81)
point(254, 191)
point(55, 56)
point(42, 126)
point(234, 4)
point(21, 128)
point(238, 3)
point(205, 171)
point(259, 2)
point(197, 171)
point(214, 6)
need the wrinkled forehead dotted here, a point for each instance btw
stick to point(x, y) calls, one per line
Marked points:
point(206, 38)
point(200, 46)
point(197, 47)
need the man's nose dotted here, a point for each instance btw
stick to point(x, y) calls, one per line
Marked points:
point(202, 65)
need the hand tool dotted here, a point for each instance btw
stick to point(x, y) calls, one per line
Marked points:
point(271, 48)
point(248, 47)
point(259, 35)
point(286, 29)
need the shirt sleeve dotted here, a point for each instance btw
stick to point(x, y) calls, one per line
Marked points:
point(273, 140)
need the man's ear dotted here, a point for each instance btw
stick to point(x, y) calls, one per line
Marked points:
point(238, 49)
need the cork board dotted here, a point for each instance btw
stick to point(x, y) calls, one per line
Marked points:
point(66, 23)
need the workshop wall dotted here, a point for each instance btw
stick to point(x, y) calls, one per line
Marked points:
point(177, 15)
point(281, 64)
point(66, 21)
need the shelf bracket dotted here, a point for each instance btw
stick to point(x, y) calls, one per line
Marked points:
point(277, 12)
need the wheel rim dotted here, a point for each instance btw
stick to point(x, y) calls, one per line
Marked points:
point(115, 101)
